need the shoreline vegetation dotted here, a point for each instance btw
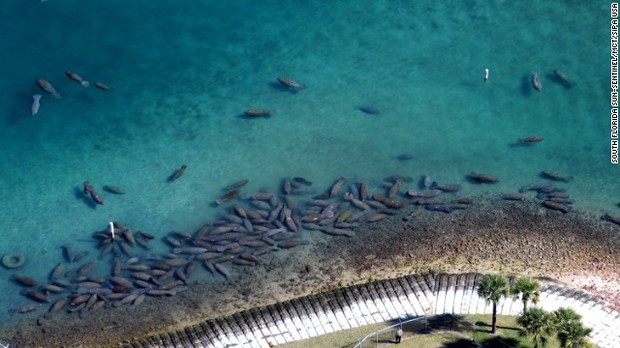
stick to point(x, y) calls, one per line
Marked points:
point(442, 330)
point(512, 238)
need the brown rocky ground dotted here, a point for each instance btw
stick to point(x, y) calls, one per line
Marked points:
point(508, 237)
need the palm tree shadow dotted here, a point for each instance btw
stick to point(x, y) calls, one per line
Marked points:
point(451, 322)
point(460, 343)
point(501, 342)
point(483, 324)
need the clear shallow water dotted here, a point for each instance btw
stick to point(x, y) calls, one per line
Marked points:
point(183, 72)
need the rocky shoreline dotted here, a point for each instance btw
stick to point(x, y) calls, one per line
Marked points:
point(493, 236)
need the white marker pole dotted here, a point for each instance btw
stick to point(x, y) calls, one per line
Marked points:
point(486, 74)
point(112, 229)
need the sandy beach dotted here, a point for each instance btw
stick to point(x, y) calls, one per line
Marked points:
point(515, 238)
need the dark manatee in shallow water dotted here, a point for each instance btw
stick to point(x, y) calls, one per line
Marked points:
point(530, 139)
point(440, 207)
point(290, 84)
point(611, 218)
point(553, 175)
point(177, 173)
point(560, 77)
point(301, 180)
point(114, 189)
point(88, 189)
point(536, 81)
point(368, 109)
point(479, 178)
point(259, 112)
point(404, 157)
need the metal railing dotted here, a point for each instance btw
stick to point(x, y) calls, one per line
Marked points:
point(456, 324)
point(391, 329)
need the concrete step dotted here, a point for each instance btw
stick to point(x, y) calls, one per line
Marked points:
point(431, 281)
point(284, 323)
point(429, 291)
point(246, 333)
point(375, 314)
point(459, 288)
point(440, 294)
point(297, 320)
point(353, 298)
point(206, 335)
point(450, 286)
point(275, 327)
point(316, 320)
point(212, 336)
point(411, 295)
point(477, 305)
point(180, 339)
point(346, 309)
point(394, 293)
point(334, 307)
point(154, 342)
point(328, 314)
point(467, 292)
point(261, 331)
point(426, 299)
point(305, 318)
point(379, 303)
point(365, 304)
point(393, 309)
point(227, 336)
point(193, 336)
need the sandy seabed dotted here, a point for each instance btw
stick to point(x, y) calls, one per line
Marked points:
point(516, 238)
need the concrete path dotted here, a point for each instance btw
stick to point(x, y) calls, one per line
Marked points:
point(376, 302)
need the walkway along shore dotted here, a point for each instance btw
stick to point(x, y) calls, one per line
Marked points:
point(375, 302)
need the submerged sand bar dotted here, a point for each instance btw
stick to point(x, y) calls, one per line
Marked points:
point(389, 299)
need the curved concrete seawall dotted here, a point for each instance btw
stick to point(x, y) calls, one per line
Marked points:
point(379, 301)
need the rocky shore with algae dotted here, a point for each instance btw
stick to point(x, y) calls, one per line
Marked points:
point(493, 236)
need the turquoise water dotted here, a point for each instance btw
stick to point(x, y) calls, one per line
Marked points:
point(184, 71)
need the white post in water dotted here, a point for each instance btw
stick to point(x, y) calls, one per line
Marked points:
point(112, 229)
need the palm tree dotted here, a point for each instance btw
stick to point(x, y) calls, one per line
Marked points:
point(493, 287)
point(571, 332)
point(575, 336)
point(538, 324)
point(528, 289)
